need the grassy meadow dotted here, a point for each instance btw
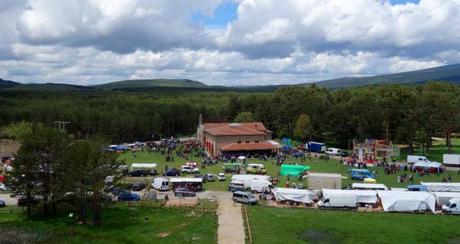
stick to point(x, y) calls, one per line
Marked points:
point(121, 223)
point(284, 225)
point(317, 165)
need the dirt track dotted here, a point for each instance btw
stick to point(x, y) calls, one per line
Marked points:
point(231, 228)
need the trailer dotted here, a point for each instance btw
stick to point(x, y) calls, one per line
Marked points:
point(318, 181)
point(316, 147)
point(444, 187)
point(452, 160)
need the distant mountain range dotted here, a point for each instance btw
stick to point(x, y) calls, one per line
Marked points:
point(447, 73)
point(450, 73)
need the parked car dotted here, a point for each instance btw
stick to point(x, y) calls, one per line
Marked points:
point(221, 177)
point(138, 186)
point(189, 169)
point(360, 174)
point(2, 204)
point(137, 173)
point(344, 154)
point(118, 190)
point(128, 196)
point(333, 151)
point(24, 201)
point(172, 172)
point(182, 192)
point(210, 177)
point(452, 207)
point(231, 167)
point(244, 197)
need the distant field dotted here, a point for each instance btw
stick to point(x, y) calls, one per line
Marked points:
point(317, 165)
point(278, 225)
point(121, 223)
point(435, 153)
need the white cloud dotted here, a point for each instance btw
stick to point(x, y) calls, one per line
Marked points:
point(94, 41)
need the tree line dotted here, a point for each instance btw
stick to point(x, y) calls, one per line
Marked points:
point(409, 114)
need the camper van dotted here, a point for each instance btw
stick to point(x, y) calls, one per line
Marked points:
point(244, 197)
point(256, 169)
point(412, 159)
point(452, 206)
point(260, 186)
point(161, 184)
point(338, 201)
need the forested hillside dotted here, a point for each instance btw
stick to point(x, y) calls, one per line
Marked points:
point(403, 114)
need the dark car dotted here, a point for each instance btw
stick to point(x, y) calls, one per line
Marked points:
point(137, 173)
point(2, 204)
point(344, 154)
point(24, 201)
point(128, 197)
point(172, 172)
point(138, 186)
point(182, 192)
point(118, 190)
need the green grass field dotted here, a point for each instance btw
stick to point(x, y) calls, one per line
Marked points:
point(121, 223)
point(279, 225)
point(317, 165)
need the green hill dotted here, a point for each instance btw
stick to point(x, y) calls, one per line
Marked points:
point(7, 83)
point(449, 73)
point(46, 87)
point(136, 84)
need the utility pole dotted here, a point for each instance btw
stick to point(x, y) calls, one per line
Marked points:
point(61, 124)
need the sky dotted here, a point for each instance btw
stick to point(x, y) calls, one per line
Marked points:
point(223, 42)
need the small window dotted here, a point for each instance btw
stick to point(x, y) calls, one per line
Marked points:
point(256, 141)
point(453, 205)
point(239, 142)
point(247, 141)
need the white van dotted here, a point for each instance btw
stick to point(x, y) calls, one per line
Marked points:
point(161, 184)
point(415, 159)
point(452, 206)
point(260, 186)
point(333, 151)
point(339, 201)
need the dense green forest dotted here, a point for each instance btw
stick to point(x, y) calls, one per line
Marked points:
point(407, 114)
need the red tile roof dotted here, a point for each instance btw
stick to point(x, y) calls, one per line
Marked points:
point(249, 146)
point(235, 129)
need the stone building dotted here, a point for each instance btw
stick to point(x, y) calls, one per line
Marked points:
point(236, 138)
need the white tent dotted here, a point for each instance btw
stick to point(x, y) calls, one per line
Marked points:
point(143, 166)
point(368, 186)
point(427, 164)
point(295, 195)
point(407, 201)
point(362, 196)
point(443, 197)
point(437, 186)
point(186, 180)
point(241, 158)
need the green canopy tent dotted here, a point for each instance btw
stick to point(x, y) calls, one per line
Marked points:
point(293, 170)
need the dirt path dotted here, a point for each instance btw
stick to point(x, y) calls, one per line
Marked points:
point(231, 228)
